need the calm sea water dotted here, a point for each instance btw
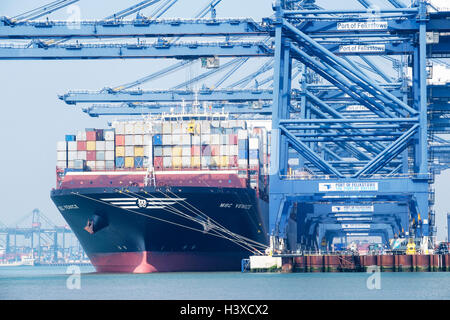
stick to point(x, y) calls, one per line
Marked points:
point(51, 283)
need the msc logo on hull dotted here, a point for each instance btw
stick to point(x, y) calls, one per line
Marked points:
point(142, 203)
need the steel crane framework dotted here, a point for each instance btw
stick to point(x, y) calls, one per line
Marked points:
point(365, 137)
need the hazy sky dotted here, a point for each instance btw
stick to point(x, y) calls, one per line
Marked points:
point(33, 119)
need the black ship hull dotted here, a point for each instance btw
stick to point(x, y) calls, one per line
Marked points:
point(165, 229)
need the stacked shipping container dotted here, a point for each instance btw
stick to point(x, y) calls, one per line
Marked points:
point(167, 145)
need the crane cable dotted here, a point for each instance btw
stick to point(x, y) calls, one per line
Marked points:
point(163, 220)
point(216, 227)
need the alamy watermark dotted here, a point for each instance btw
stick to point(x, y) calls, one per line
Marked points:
point(74, 19)
point(374, 281)
point(74, 280)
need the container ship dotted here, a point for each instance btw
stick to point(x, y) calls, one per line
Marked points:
point(167, 193)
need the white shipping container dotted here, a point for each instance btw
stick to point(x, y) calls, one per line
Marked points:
point(177, 128)
point(167, 151)
point(61, 164)
point(129, 140)
point(108, 135)
point(138, 140)
point(166, 128)
point(294, 161)
point(206, 139)
point(72, 145)
point(71, 164)
point(100, 145)
point(72, 155)
point(254, 162)
point(176, 139)
point(120, 127)
point(109, 165)
point(81, 135)
point(253, 143)
point(186, 162)
point(186, 139)
point(215, 139)
point(61, 146)
point(224, 150)
point(167, 162)
point(242, 163)
point(129, 151)
point(234, 150)
point(186, 151)
point(139, 128)
point(109, 146)
point(109, 155)
point(90, 164)
point(100, 165)
point(147, 139)
point(167, 139)
point(242, 134)
point(129, 128)
point(195, 140)
point(61, 155)
point(206, 127)
point(81, 155)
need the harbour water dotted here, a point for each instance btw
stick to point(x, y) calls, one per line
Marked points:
point(50, 283)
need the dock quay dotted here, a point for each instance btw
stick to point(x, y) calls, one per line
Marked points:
point(287, 263)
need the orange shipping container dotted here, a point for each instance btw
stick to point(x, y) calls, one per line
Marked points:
point(195, 162)
point(176, 162)
point(120, 151)
point(90, 145)
point(138, 151)
point(129, 162)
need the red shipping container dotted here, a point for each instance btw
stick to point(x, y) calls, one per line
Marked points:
point(120, 140)
point(215, 150)
point(90, 155)
point(158, 162)
point(195, 150)
point(233, 139)
point(91, 135)
point(81, 145)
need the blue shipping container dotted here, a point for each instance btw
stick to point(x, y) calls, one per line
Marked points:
point(243, 154)
point(242, 144)
point(70, 137)
point(120, 162)
point(157, 140)
point(138, 162)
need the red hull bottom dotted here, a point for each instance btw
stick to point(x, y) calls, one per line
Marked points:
point(147, 262)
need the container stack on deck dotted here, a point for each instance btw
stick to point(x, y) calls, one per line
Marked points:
point(169, 145)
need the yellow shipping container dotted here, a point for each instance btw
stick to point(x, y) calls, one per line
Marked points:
point(90, 145)
point(177, 152)
point(129, 162)
point(176, 162)
point(215, 161)
point(224, 161)
point(120, 151)
point(195, 162)
point(138, 151)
